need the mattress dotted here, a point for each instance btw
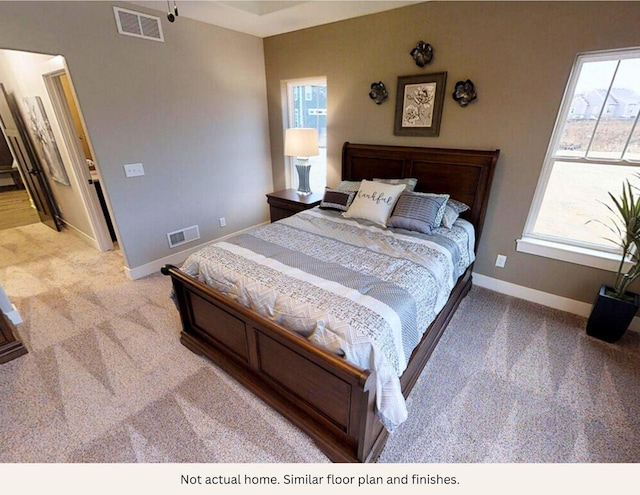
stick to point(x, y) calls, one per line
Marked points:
point(365, 292)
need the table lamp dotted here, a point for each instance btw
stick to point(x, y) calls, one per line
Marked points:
point(301, 142)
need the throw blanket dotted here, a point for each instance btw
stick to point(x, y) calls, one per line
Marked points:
point(365, 292)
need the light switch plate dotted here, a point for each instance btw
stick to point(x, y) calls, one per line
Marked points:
point(133, 169)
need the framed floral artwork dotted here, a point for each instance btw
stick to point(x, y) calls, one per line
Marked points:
point(419, 102)
point(46, 142)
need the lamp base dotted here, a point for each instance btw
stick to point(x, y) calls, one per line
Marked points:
point(303, 178)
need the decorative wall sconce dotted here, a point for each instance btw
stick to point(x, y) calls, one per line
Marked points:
point(465, 92)
point(378, 92)
point(422, 53)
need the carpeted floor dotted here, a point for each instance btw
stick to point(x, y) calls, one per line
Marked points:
point(106, 379)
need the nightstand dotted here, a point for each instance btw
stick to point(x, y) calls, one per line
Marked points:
point(10, 347)
point(283, 204)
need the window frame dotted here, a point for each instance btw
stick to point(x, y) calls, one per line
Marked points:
point(289, 119)
point(565, 249)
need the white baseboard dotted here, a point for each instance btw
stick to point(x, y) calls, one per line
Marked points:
point(173, 259)
point(550, 300)
point(80, 235)
point(154, 266)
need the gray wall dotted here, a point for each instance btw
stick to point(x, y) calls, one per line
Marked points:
point(519, 54)
point(191, 109)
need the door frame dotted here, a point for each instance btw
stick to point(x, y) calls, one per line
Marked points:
point(86, 188)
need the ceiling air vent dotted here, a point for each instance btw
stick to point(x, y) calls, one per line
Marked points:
point(132, 23)
point(183, 236)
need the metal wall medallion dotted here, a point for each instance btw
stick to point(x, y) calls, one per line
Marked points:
point(378, 92)
point(422, 53)
point(465, 92)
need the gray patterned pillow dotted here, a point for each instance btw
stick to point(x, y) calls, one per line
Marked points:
point(420, 212)
point(452, 211)
point(410, 183)
point(349, 185)
point(336, 200)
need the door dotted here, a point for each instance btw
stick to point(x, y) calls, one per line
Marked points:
point(18, 141)
point(69, 118)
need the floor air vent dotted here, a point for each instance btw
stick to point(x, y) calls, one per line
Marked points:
point(132, 23)
point(183, 236)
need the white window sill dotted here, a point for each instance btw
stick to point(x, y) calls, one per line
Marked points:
point(570, 254)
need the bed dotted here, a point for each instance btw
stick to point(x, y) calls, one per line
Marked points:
point(321, 384)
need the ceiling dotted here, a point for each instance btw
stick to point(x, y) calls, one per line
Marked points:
point(267, 18)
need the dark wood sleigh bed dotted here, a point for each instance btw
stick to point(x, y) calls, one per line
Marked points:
point(328, 398)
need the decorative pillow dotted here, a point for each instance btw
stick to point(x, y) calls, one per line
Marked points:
point(452, 212)
point(349, 186)
point(374, 202)
point(421, 212)
point(336, 200)
point(409, 183)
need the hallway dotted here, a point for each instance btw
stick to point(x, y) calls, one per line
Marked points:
point(16, 209)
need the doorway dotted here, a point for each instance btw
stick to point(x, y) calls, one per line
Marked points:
point(67, 111)
point(79, 202)
point(72, 206)
point(15, 202)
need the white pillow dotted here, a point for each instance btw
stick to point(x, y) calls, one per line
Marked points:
point(374, 202)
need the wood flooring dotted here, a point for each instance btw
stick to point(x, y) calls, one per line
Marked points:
point(16, 209)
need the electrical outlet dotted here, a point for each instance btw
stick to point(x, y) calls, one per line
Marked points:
point(133, 169)
point(223, 222)
point(501, 260)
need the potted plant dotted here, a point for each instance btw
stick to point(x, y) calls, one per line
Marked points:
point(615, 306)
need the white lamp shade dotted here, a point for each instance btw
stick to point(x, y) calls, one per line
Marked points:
point(301, 141)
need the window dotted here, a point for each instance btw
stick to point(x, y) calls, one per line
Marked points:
point(594, 148)
point(307, 107)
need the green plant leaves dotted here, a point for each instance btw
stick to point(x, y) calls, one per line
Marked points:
point(626, 209)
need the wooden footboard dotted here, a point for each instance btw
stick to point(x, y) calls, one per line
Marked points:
point(330, 399)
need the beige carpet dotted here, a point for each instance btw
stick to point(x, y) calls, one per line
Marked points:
point(106, 379)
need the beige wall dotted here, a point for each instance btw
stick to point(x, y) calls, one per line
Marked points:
point(192, 110)
point(519, 55)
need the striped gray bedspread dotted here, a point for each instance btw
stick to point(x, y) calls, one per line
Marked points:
point(362, 291)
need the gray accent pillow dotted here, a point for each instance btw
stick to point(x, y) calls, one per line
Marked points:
point(336, 200)
point(409, 183)
point(452, 211)
point(349, 185)
point(420, 212)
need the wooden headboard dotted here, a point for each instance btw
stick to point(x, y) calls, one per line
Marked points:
point(465, 175)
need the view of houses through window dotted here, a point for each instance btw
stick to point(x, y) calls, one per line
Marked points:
point(307, 107)
point(594, 149)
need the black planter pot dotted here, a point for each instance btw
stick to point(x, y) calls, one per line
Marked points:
point(610, 317)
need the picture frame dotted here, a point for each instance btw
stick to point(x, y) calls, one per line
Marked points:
point(45, 140)
point(419, 102)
